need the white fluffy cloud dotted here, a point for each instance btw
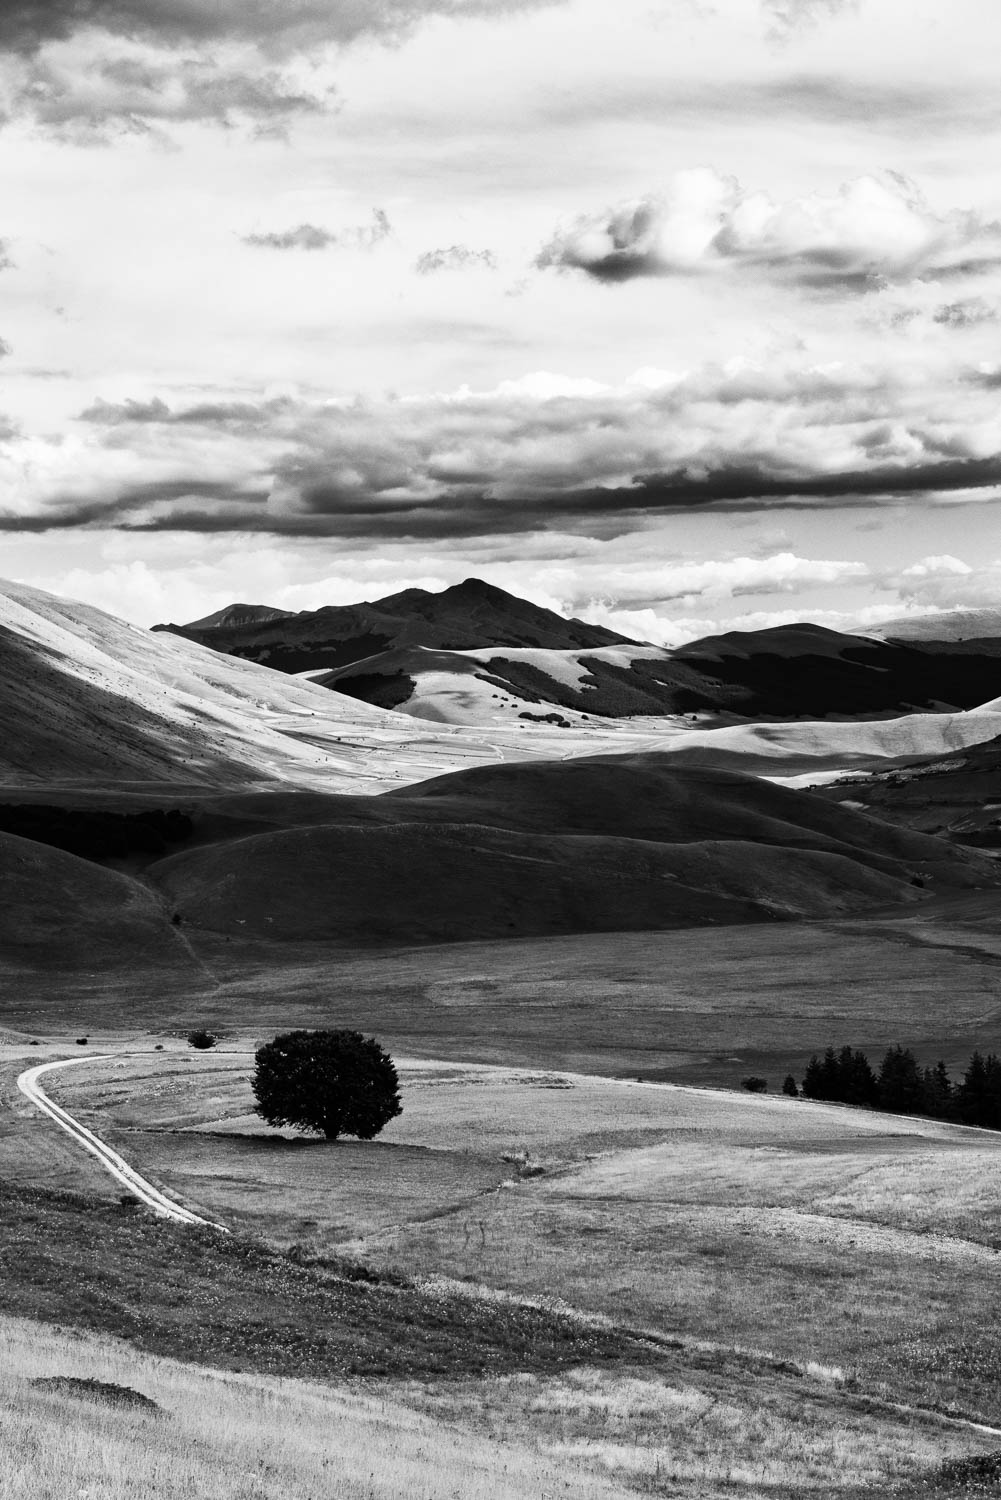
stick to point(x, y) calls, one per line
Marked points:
point(873, 229)
point(945, 582)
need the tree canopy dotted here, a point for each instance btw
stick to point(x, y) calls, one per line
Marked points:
point(334, 1082)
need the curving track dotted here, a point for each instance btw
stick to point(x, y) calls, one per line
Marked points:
point(110, 1160)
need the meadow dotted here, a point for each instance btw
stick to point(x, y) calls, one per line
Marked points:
point(688, 1006)
point(814, 1234)
point(732, 1295)
point(240, 1437)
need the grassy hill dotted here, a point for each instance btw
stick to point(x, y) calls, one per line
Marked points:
point(60, 911)
point(595, 844)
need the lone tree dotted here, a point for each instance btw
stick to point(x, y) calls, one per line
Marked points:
point(336, 1082)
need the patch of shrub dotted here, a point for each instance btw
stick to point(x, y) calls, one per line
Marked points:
point(983, 1468)
point(202, 1040)
point(755, 1085)
point(97, 1390)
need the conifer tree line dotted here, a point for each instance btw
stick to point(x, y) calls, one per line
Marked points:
point(904, 1087)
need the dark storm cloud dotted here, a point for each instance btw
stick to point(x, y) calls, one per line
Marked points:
point(460, 511)
point(313, 237)
point(454, 258)
point(510, 461)
point(736, 484)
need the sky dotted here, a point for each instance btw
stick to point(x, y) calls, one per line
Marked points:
point(676, 315)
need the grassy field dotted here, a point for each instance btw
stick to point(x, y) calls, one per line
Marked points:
point(689, 1006)
point(523, 1403)
point(241, 1437)
point(757, 1238)
point(859, 1242)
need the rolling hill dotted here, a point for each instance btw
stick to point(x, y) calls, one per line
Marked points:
point(63, 912)
point(595, 844)
point(968, 625)
point(957, 794)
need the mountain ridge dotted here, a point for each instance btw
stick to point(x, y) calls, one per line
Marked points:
point(530, 663)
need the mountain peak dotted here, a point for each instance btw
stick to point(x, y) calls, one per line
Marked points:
point(477, 588)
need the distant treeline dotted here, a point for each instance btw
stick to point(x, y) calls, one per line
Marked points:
point(904, 1087)
point(93, 834)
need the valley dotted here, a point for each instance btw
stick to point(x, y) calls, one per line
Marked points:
point(583, 1245)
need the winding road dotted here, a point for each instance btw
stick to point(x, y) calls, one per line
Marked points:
point(110, 1160)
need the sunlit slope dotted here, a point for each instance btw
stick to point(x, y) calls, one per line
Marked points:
point(950, 625)
point(602, 844)
point(86, 699)
point(789, 672)
point(958, 794)
point(489, 685)
point(799, 747)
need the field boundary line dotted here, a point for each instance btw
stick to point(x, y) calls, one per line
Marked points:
point(109, 1159)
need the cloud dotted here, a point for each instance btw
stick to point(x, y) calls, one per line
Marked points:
point(786, 15)
point(92, 98)
point(543, 453)
point(873, 230)
point(945, 582)
point(313, 237)
point(27, 25)
point(455, 258)
point(966, 313)
point(88, 69)
point(303, 237)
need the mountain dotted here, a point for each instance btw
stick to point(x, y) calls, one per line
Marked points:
point(807, 671)
point(477, 655)
point(470, 614)
point(92, 705)
point(88, 701)
point(283, 838)
point(235, 615)
point(595, 844)
point(489, 685)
